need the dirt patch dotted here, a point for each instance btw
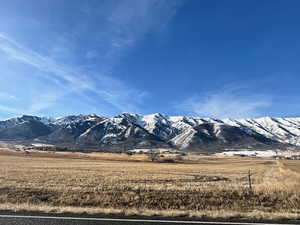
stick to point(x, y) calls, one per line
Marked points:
point(197, 178)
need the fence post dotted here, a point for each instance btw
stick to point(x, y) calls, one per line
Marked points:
point(249, 180)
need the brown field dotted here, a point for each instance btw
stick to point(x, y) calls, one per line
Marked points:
point(202, 186)
point(293, 165)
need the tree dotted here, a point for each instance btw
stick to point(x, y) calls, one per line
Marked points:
point(153, 155)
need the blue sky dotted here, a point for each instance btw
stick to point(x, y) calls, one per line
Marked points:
point(179, 57)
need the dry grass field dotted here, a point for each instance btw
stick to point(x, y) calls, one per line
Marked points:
point(202, 186)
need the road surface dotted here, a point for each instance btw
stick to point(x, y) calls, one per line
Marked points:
point(45, 219)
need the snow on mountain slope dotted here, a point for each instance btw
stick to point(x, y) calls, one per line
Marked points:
point(157, 124)
point(119, 133)
point(180, 131)
point(74, 118)
point(183, 139)
point(285, 130)
point(25, 118)
point(159, 130)
point(68, 131)
point(23, 130)
point(188, 129)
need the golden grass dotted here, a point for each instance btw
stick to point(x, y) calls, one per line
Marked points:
point(212, 187)
point(220, 214)
point(293, 165)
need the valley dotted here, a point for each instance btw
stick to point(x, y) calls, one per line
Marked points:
point(194, 186)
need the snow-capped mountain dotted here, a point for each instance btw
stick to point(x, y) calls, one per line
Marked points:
point(119, 134)
point(24, 127)
point(74, 118)
point(285, 130)
point(69, 128)
point(25, 118)
point(156, 124)
point(128, 130)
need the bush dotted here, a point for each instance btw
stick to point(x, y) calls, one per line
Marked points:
point(153, 156)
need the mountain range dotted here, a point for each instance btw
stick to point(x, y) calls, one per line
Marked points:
point(129, 131)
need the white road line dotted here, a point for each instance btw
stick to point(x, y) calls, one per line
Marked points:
point(135, 220)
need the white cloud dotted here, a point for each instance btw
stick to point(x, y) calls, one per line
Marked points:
point(127, 23)
point(230, 103)
point(44, 101)
point(109, 89)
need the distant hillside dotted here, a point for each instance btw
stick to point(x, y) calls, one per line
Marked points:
point(128, 131)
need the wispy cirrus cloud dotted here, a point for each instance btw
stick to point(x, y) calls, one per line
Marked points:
point(131, 20)
point(69, 79)
point(125, 24)
point(227, 103)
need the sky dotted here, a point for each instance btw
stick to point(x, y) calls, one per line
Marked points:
point(208, 58)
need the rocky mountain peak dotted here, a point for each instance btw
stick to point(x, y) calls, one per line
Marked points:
point(129, 130)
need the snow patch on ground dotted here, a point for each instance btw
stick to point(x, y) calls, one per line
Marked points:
point(267, 153)
point(41, 145)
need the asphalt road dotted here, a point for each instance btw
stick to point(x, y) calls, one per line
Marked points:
point(47, 219)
